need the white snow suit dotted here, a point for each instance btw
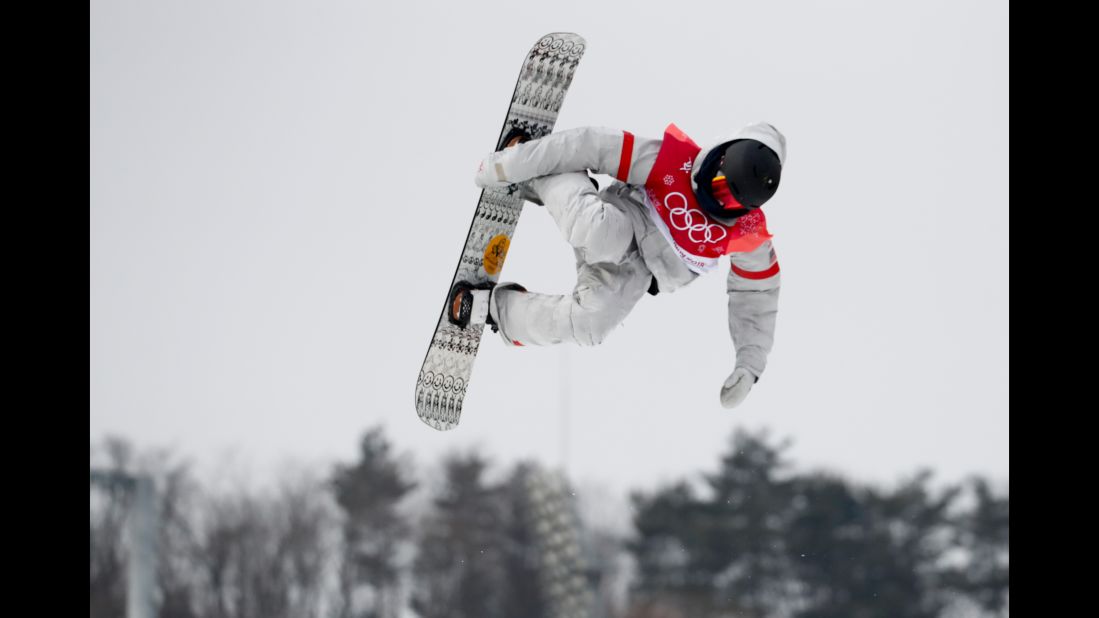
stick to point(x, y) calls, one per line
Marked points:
point(623, 246)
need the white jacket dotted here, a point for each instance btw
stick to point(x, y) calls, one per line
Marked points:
point(753, 280)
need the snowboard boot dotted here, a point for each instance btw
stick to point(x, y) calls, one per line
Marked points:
point(518, 135)
point(469, 302)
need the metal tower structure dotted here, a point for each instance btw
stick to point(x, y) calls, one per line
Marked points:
point(561, 564)
point(141, 534)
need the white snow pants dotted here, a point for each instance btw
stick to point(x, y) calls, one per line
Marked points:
point(610, 274)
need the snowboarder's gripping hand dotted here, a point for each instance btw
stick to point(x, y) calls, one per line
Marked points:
point(736, 387)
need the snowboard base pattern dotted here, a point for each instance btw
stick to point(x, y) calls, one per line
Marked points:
point(543, 82)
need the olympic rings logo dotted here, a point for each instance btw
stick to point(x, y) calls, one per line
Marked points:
point(688, 222)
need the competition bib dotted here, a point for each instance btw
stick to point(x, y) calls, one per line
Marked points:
point(698, 238)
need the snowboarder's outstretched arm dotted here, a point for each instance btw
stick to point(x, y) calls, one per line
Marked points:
point(753, 287)
point(598, 149)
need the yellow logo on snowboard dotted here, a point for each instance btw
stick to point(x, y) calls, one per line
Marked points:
point(495, 253)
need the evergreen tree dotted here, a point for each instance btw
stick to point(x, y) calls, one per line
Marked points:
point(523, 594)
point(460, 570)
point(863, 552)
point(983, 533)
point(742, 528)
point(723, 552)
point(663, 523)
point(368, 492)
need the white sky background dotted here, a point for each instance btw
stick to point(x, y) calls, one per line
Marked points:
point(280, 191)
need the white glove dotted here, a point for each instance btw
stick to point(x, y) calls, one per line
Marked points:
point(736, 387)
point(486, 176)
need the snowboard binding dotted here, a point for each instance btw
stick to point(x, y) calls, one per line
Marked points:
point(515, 135)
point(468, 303)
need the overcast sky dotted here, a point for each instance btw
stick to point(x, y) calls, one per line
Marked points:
point(280, 191)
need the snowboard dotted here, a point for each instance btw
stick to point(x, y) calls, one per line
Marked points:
point(543, 82)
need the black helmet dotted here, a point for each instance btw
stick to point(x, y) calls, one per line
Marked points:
point(736, 178)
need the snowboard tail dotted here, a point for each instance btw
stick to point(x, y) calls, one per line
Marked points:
point(539, 92)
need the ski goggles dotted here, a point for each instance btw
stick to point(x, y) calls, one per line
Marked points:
point(721, 192)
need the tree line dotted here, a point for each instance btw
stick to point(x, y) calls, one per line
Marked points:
point(752, 538)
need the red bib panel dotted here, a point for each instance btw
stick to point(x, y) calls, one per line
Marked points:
point(698, 238)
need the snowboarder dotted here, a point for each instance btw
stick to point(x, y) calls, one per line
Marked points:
point(673, 210)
